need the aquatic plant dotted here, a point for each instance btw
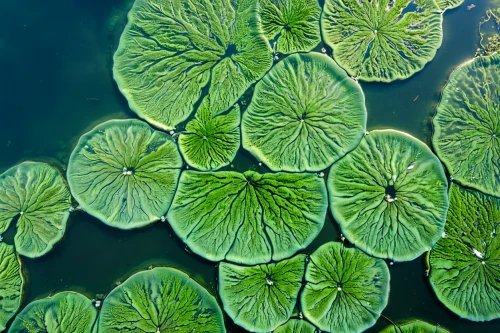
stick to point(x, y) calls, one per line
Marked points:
point(389, 196)
point(291, 25)
point(124, 173)
point(160, 300)
point(296, 326)
point(467, 125)
point(36, 197)
point(465, 263)
point(414, 326)
point(173, 50)
point(261, 298)
point(248, 218)
point(306, 113)
point(63, 312)
point(11, 284)
point(384, 40)
point(346, 290)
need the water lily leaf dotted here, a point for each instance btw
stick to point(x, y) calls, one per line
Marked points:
point(296, 326)
point(414, 326)
point(37, 196)
point(305, 114)
point(346, 290)
point(11, 284)
point(467, 125)
point(248, 218)
point(63, 312)
point(160, 300)
point(292, 24)
point(448, 4)
point(125, 173)
point(173, 50)
point(260, 298)
point(389, 196)
point(465, 263)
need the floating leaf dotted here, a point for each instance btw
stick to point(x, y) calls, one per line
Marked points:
point(414, 326)
point(296, 326)
point(11, 284)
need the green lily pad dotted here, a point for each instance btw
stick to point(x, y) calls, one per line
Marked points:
point(125, 173)
point(261, 298)
point(173, 50)
point(346, 290)
point(160, 300)
point(305, 114)
point(63, 312)
point(448, 4)
point(37, 196)
point(465, 263)
point(296, 326)
point(248, 218)
point(389, 196)
point(291, 25)
point(11, 284)
point(467, 125)
point(414, 326)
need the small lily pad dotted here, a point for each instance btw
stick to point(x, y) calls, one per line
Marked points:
point(11, 284)
point(296, 326)
point(414, 326)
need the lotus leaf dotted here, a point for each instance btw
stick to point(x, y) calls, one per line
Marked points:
point(260, 298)
point(389, 196)
point(11, 284)
point(173, 50)
point(448, 4)
point(160, 300)
point(248, 218)
point(346, 290)
point(414, 326)
point(305, 114)
point(292, 25)
point(62, 313)
point(125, 173)
point(467, 125)
point(296, 326)
point(465, 263)
point(37, 196)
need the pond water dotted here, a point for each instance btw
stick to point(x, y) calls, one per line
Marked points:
point(57, 84)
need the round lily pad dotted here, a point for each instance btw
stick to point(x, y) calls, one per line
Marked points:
point(248, 218)
point(296, 326)
point(125, 173)
point(389, 196)
point(261, 298)
point(306, 113)
point(467, 125)
point(11, 284)
point(160, 300)
point(346, 290)
point(291, 25)
point(414, 326)
point(37, 197)
point(63, 312)
point(173, 50)
point(465, 263)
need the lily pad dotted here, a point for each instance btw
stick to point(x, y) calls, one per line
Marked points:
point(160, 300)
point(389, 196)
point(305, 114)
point(414, 326)
point(37, 197)
point(125, 173)
point(248, 218)
point(291, 25)
point(467, 125)
point(346, 290)
point(296, 326)
point(63, 312)
point(173, 50)
point(261, 298)
point(465, 263)
point(11, 284)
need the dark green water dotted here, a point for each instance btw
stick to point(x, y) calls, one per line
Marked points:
point(56, 60)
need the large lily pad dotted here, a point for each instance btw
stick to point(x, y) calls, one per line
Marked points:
point(465, 263)
point(346, 290)
point(11, 284)
point(172, 50)
point(389, 196)
point(37, 196)
point(296, 326)
point(125, 173)
point(467, 125)
point(291, 25)
point(248, 218)
point(61, 313)
point(414, 326)
point(261, 298)
point(160, 300)
point(305, 114)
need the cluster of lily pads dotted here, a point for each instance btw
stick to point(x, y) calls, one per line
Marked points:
point(190, 65)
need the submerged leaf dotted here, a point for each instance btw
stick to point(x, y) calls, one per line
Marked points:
point(414, 326)
point(296, 326)
point(11, 284)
